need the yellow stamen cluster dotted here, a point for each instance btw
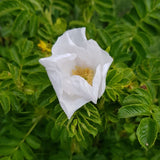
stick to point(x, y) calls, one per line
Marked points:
point(86, 73)
point(43, 46)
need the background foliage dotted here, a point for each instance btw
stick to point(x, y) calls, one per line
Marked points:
point(125, 123)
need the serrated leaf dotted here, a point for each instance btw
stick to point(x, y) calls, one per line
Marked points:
point(135, 99)
point(110, 92)
point(147, 132)
point(145, 94)
point(93, 114)
point(113, 78)
point(87, 126)
point(133, 110)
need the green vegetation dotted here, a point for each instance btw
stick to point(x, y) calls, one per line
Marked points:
point(125, 123)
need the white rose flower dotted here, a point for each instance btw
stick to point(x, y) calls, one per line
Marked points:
point(77, 70)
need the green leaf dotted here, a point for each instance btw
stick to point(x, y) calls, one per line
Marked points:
point(6, 158)
point(9, 141)
point(26, 47)
point(27, 152)
point(147, 132)
point(56, 133)
point(8, 6)
point(89, 128)
point(135, 99)
point(5, 75)
point(20, 22)
point(133, 110)
point(145, 94)
point(111, 93)
point(104, 38)
point(6, 150)
point(139, 48)
point(149, 4)
point(113, 79)
point(16, 57)
point(33, 141)
point(140, 8)
point(62, 118)
point(62, 6)
point(47, 97)
point(18, 155)
point(5, 102)
point(156, 115)
point(31, 61)
point(33, 26)
point(36, 4)
point(3, 65)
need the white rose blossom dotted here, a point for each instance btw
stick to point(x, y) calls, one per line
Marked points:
point(77, 70)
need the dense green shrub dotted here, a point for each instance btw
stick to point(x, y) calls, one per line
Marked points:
point(125, 122)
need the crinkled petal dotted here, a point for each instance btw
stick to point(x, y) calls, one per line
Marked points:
point(96, 83)
point(54, 75)
point(103, 75)
point(76, 85)
point(71, 103)
point(58, 69)
point(69, 41)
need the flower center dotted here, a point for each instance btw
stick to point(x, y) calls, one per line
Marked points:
point(86, 73)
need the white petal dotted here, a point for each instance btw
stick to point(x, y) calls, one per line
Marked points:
point(77, 85)
point(103, 81)
point(92, 55)
point(69, 41)
point(58, 69)
point(54, 75)
point(65, 63)
point(71, 103)
point(77, 36)
point(96, 83)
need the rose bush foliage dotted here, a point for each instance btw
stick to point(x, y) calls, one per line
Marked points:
point(123, 122)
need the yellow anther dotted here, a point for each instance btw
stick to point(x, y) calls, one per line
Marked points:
point(86, 73)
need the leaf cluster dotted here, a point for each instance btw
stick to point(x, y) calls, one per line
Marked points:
point(126, 117)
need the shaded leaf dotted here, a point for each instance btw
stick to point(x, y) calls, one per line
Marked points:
point(147, 132)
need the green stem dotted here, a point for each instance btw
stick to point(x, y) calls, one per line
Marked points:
point(29, 132)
